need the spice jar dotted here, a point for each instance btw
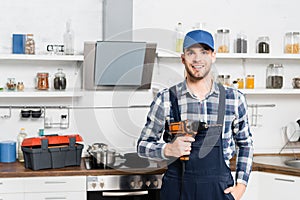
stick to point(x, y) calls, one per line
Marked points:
point(29, 45)
point(227, 80)
point(241, 43)
point(42, 81)
point(221, 79)
point(11, 84)
point(20, 86)
point(274, 76)
point(60, 81)
point(240, 82)
point(223, 41)
point(291, 42)
point(250, 82)
point(263, 45)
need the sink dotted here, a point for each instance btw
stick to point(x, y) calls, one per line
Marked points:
point(293, 163)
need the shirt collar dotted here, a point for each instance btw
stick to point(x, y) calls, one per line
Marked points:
point(183, 89)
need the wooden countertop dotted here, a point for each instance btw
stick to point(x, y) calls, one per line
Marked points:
point(266, 163)
point(17, 169)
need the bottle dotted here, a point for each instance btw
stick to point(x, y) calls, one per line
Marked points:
point(223, 41)
point(241, 43)
point(60, 81)
point(250, 82)
point(21, 136)
point(274, 76)
point(263, 45)
point(63, 122)
point(29, 44)
point(69, 39)
point(179, 37)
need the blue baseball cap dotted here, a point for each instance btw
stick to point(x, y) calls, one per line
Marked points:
point(198, 37)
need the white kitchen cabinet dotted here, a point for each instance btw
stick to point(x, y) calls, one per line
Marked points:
point(11, 189)
point(55, 184)
point(278, 187)
point(29, 65)
point(56, 196)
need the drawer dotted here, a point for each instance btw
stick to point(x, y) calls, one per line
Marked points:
point(19, 196)
point(56, 196)
point(55, 184)
point(11, 185)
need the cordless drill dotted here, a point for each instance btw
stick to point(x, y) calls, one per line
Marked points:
point(186, 128)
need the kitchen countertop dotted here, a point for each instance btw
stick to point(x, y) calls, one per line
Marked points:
point(266, 163)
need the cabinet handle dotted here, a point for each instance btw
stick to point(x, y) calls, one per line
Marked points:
point(51, 198)
point(283, 179)
point(55, 182)
point(118, 194)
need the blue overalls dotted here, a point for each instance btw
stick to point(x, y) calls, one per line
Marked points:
point(206, 174)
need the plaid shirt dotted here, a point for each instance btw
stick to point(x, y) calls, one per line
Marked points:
point(236, 136)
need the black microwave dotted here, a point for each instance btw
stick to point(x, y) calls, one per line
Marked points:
point(118, 65)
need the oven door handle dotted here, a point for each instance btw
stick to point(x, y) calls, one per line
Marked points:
point(116, 194)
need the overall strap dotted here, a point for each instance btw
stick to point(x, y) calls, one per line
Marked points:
point(174, 104)
point(221, 106)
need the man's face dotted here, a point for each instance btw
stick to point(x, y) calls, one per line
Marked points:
point(197, 61)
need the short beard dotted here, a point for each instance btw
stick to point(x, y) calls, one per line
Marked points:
point(195, 78)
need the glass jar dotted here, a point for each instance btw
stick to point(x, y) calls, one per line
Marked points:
point(240, 82)
point(274, 76)
point(223, 41)
point(263, 45)
point(29, 44)
point(241, 43)
point(11, 84)
point(220, 79)
point(250, 82)
point(227, 80)
point(291, 42)
point(60, 81)
point(42, 81)
point(20, 86)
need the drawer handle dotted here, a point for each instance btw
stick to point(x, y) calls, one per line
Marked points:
point(118, 194)
point(55, 182)
point(51, 198)
point(283, 179)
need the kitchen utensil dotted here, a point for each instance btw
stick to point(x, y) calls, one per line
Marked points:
point(101, 156)
point(296, 82)
point(25, 113)
point(7, 151)
point(134, 161)
point(293, 131)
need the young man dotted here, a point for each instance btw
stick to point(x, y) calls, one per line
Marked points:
point(222, 130)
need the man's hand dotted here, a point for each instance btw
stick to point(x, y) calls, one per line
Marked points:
point(181, 146)
point(237, 191)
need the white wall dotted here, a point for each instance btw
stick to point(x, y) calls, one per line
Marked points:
point(153, 21)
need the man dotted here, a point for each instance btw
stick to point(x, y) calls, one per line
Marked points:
point(223, 130)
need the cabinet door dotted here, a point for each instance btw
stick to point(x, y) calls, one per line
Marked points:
point(17, 196)
point(56, 196)
point(11, 185)
point(278, 187)
point(55, 184)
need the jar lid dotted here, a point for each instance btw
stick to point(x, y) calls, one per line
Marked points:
point(292, 33)
point(42, 74)
point(275, 65)
point(223, 31)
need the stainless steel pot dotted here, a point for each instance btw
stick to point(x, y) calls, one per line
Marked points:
point(101, 156)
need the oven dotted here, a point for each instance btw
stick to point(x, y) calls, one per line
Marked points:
point(123, 182)
point(124, 187)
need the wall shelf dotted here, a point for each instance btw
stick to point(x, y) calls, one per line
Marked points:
point(14, 57)
point(270, 91)
point(31, 92)
point(170, 54)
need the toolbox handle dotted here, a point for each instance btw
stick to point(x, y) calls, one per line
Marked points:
point(72, 141)
point(44, 144)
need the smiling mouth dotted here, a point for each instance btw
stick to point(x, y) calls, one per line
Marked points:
point(198, 66)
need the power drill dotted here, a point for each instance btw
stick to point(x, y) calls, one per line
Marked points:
point(186, 128)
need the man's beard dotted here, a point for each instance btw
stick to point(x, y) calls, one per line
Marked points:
point(194, 78)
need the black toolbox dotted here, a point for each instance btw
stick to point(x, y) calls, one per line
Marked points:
point(61, 152)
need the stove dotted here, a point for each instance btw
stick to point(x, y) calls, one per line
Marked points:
point(135, 184)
